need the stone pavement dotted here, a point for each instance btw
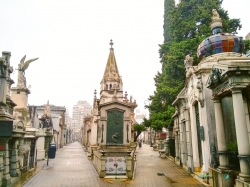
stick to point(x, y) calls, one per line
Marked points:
point(71, 168)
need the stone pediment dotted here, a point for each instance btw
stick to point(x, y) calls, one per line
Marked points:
point(182, 95)
point(18, 126)
point(115, 102)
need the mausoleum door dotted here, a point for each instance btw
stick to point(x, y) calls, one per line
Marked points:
point(197, 116)
point(115, 127)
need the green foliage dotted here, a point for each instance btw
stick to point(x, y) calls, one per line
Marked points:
point(232, 146)
point(185, 26)
point(168, 8)
point(139, 128)
point(191, 19)
point(247, 46)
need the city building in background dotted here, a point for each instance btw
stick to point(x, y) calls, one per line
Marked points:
point(81, 109)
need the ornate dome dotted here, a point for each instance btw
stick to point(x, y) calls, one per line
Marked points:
point(219, 42)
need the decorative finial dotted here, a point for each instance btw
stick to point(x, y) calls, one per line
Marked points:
point(126, 96)
point(95, 93)
point(111, 44)
point(216, 24)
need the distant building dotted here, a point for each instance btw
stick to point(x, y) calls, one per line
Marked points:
point(248, 36)
point(81, 109)
point(58, 120)
point(139, 116)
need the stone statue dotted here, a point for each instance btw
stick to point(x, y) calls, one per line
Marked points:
point(46, 119)
point(215, 15)
point(188, 62)
point(3, 66)
point(22, 66)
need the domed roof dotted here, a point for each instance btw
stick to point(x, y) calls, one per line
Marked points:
point(220, 43)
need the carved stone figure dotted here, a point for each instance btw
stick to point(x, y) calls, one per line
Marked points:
point(3, 66)
point(46, 119)
point(22, 66)
point(214, 77)
point(188, 62)
point(215, 14)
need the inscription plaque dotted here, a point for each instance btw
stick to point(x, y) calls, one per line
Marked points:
point(115, 128)
point(202, 135)
point(6, 128)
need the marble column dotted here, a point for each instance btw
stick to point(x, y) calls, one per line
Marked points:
point(14, 161)
point(220, 133)
point(195, 151)
point(247, 118)
point(6, 172)
point(3, 67)
point(1, 167)
point(177, 157)
point(242, 134)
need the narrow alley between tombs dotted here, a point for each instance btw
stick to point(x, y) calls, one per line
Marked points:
point(71, 167)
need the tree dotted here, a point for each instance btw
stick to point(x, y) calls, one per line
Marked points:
point(185, 26)
point(168, 8)
point(139, 128)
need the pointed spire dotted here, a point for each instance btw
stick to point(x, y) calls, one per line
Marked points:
point(47, 109)
point(111, 70)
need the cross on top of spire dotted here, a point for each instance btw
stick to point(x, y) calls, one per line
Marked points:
point(111, 44)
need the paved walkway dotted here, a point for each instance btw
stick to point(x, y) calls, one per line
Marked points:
point(71, 168)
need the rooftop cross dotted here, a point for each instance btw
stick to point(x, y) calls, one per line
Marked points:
point(111, 44)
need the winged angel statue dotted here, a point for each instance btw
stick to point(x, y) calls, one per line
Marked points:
point(22, 66)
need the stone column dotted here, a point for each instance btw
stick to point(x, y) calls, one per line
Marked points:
point(3, 69)
point(1, 167)
point(195, 151)
point(247, 118)
point(189, 140)
point(222, 145)
point(242, 135)
point(14, 161)
point(5, 151)
point(177, 157)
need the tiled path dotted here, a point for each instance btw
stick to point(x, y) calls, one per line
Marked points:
point(71, 168)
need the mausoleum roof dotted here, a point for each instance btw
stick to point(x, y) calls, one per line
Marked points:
point(111, 70)
point(219, 42)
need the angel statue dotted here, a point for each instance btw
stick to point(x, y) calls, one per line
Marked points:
point(22, 66)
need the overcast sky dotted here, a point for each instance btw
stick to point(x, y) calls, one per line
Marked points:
point(71, 39)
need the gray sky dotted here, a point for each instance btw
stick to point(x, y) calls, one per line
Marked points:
point(71, 39)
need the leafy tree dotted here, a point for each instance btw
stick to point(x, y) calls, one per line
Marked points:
point(139, 128)
point(191, 19)
point(247, 46)
point(185, 26)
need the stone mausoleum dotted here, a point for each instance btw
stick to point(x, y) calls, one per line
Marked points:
point(109, 130)
point(211, 122)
